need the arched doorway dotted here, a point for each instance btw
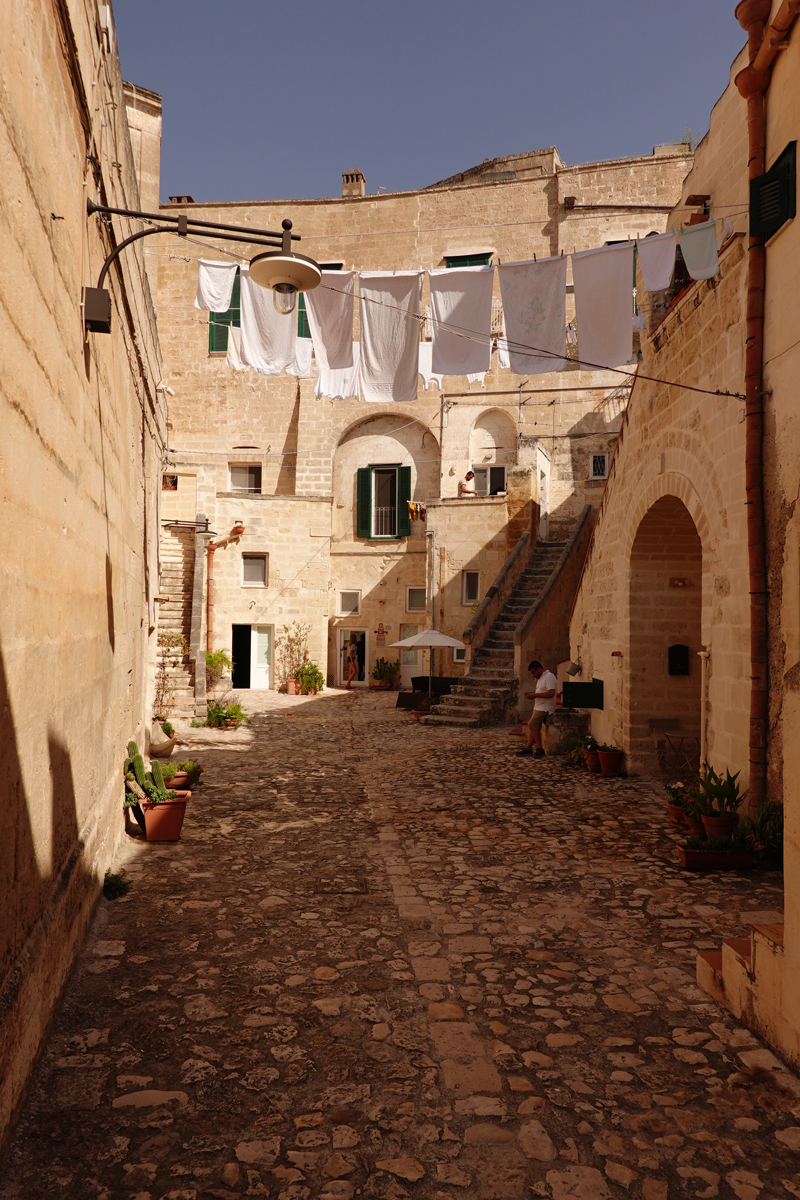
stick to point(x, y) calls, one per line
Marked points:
point(666, 576)
point(492, 448)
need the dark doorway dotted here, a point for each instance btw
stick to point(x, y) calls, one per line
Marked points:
point(240, 653)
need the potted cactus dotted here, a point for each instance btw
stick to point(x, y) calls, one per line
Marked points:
point(158, 811)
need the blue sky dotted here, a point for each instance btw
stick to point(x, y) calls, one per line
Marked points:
point(273, 101)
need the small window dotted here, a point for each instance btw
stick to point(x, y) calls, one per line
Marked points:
point(245, 478)
point(169, 483)
point(468, 260)
point(254, 570)
point(349, 604)
point(470, 586)
point(599, 465)
point(459, 654)
point(219, 323)
point(489, 481)
point(416, 599)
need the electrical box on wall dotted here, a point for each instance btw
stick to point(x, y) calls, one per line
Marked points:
point(582, 695)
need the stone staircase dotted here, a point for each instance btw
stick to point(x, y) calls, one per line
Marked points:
point(489, 691)
point(175, 615)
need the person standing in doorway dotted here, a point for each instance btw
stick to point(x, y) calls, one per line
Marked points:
point(466, 487)
point(544, 702)
point(352, 659)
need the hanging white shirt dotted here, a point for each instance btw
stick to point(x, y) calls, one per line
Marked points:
point(389, 307)
point(534, 306)
point(425, 367)
point(339, 385)
point(603, 281)
point(268, 337)
point(699, 249)
point(657, 259)
point(303, 351)
point(215, 281)
point(234, 355)
point(461, 315)
point(329, 308)
point(503, 355)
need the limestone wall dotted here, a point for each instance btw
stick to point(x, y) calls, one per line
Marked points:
point(82, 434)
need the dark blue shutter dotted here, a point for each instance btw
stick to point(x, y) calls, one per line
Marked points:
point(403, 497)
point(364, 502)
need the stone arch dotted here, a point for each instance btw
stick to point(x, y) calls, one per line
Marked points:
point(493, 439)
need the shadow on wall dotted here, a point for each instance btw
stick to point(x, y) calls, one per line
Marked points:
point(42, 917)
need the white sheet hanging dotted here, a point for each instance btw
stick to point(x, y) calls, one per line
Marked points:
point(534, 306)
point(389, 308)
point(699, 249)
point(604, 305)
point(503, 356)
point(234, 355)
point(425, 368)
point(215, 281)
point(461, 314)
point(657, 257)
point(342, 384)
point(268, 337)
point(329, 308)
point(303, 351)
point(476, 377)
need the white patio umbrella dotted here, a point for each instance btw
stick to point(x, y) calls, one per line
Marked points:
point(431, 638)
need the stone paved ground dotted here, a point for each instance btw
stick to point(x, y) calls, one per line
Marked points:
point(395, 961)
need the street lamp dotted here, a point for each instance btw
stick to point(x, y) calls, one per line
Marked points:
point(285, 272)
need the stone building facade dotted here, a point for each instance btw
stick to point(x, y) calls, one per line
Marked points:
point(548, 438)
point(670, 564)
point(83, 429)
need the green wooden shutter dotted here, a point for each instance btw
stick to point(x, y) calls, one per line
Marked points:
point(303, 327)
point(467, 260)
point(219, 322)
point(403, 497)
point(773, 197)
point(364, 502)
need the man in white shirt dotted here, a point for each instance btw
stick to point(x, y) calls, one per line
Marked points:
point(466, 487)
point(544, 702)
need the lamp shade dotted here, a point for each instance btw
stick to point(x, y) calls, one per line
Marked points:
point(292, 270)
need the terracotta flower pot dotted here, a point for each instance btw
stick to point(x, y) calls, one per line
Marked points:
point(163, 822)
point(592, 759)
point(697, 828)
point(610, 761)
point(419, 712)
point(292, 687)
point(231, 723)
point(720, 826)
point(715, 860)
point(677, 816)
point(179, 780)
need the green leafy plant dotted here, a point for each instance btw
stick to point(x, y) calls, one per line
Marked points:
point(310, 678)
point(718, 844)
point(141, 784)
point(216, 665)
point(765, 831)
point(608, 749)
point(568, 744)
point(292, 649)
point(218, 714)
point(168, 728)
point(171, 650)
point(170, 769)
point(386, 672)
point(723, 795)
point(590, 743)
point(115, 885)
point(678, 793)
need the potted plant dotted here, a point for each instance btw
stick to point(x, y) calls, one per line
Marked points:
point(162, 743)
point(216, 665)
point(723, 800)
point(610, 759)
point(171, 650)
point(677, 799)
point(717, 854)
point(182, 774)
point(158, 810)
point(309, 679)
point(226, 716)
point(567, 746)
point(292, 651)
point(384, 674)
point(590, 755)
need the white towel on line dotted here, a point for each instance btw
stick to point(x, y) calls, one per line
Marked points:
point(389, 308)
point(476, 377)
point(534, 307)
point(301, 367)
point(341, 384)
point(425, 367)
point(657, 258)
point(503, 357)
point(329, 308)
point(268, 337)
point(604, 305)
point(461, 313)
point(699, 249)
point(215, 281)
point(234, 355)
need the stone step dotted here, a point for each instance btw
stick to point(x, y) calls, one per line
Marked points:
point(446, 719)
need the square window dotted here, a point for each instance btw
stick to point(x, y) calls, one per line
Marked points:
point(349, 604)
point(416, 599)
point(599, 466)
point(470, 586)
point(459, 654)
point(169, 483)
point(489, 481)
point(254, 570)
point(245, 477)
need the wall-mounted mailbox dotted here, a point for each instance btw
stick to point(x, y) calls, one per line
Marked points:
point(678, 659)
point(582, 695)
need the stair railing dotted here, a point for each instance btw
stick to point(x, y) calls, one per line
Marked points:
point(494, 600)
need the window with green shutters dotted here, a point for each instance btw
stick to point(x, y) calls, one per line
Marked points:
point(467, 260)
point(303, 327)
point(382, 495)
point(221, 322)
point(773, 196)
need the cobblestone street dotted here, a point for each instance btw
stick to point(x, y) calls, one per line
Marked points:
point(394, 961)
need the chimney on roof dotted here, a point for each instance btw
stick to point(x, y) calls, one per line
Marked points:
point(353, 183)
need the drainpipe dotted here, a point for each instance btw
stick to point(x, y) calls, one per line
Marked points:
point(752, 83)
point(233, 536)
point(704, 656)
